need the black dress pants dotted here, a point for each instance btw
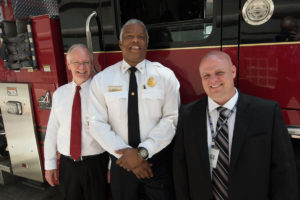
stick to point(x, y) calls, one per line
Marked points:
point(125, 185)
point(84, 180)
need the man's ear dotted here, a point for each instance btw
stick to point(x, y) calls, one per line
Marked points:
point(68, 66)
point(233, 71)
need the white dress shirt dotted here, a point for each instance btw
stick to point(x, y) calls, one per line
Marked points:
point(214, 113)
point(59, 125)
point(158, 102)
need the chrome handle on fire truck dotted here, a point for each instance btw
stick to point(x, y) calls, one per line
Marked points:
point(88, 30)
point(14, 107)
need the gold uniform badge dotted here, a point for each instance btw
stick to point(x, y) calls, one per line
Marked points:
point(151, 82)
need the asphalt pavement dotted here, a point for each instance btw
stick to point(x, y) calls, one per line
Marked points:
point(22, 190)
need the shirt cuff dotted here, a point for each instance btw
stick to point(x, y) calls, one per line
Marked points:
point(50, 164)
point(121, 147)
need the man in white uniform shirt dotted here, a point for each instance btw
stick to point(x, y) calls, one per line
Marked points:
point(82, 176)
point(136, 96)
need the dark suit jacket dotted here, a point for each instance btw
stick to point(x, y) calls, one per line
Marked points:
point(262, 165)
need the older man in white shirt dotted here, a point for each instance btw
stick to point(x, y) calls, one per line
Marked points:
point(133, 115)
point(83, 165)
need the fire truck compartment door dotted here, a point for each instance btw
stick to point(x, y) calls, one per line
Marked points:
point(19, 124)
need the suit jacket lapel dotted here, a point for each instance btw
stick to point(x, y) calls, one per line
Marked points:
point(200, 130)
point(240, 130)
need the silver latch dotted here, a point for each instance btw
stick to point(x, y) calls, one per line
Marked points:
point(14, 107)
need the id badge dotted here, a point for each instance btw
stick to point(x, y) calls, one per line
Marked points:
point(213, 157)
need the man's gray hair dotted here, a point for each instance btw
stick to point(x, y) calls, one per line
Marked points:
point(75, 46)
point(134, 21)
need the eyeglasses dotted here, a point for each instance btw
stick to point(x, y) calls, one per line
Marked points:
point(77, 64)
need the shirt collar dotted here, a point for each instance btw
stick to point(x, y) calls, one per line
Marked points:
point(229, 104)
point(83, 85)
point(140, 66)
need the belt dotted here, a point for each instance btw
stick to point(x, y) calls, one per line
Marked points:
point(81, 158)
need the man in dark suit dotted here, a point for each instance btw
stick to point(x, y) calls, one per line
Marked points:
point(230, 145)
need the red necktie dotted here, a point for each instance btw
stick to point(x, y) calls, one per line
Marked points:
point(75, 143)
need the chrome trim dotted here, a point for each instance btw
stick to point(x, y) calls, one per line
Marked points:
point(89, 34)
point(88, 31)
point(208, 11)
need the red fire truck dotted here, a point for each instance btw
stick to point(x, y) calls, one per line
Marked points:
point(261, 36)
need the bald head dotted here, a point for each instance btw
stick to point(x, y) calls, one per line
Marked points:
point(217, 73)
point(217, 55)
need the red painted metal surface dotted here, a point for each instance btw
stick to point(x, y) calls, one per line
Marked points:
point(7, 10)
point(58, 51)
point(291, 117)
point(185, 64)
point(271, 72)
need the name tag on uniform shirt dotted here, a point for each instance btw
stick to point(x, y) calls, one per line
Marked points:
point(114, 88)
point(213, 157)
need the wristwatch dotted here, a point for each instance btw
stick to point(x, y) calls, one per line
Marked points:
point(143, 152)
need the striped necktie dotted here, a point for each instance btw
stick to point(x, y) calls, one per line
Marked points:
point(220, 173)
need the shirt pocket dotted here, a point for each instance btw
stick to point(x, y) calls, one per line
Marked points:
point(152, 101)
point(116, 104)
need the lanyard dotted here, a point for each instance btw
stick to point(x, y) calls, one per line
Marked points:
point(213, 132)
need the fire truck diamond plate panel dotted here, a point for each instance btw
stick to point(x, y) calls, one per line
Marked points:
point(25, 8)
